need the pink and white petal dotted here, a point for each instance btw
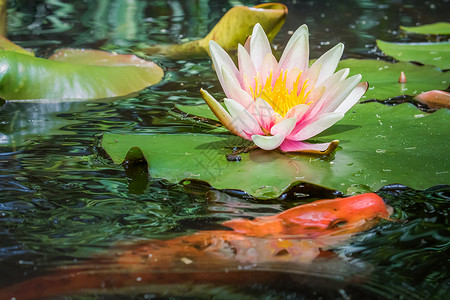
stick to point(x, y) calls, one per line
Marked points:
point(297, 112)
point(311, 74)
point(299, 146)
point(292, 76)
point(269, 65)
point(353, 97)
point(328, 88)
point(221, 114)
point(259, 46)
point(247, 43)
point(246, 66)
point(297, 55)
point(323, 122)
point(221, 58)
point(335, 79)
point(284, 127)
point(242, 119)
point(264, 114)
point(268, 142)
point(329, 61)
point(234, 90)
point(302, 30)
point(344, 89)
point(337, 90)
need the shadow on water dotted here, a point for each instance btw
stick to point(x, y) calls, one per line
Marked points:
point(61, 204)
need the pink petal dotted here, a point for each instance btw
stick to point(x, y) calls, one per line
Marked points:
point(323, 122)
point(246, 67)
point(263, 113)
point(297, 112)
point(242, 119)
point(343, 91)
point(259, 46)
point(284, 127)
point(234, 91)
point(296, 53)
point(269, 65)
point(329, 61)
point(353, 97)
point(221, 58)
point(298, 146)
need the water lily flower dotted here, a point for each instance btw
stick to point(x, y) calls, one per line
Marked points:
point(280, 104)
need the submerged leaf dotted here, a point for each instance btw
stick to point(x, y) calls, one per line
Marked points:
point(439, 28)
point(26, 78)
point(379, 145)
point(436, 54)
point(383, 77)
point(232, 29)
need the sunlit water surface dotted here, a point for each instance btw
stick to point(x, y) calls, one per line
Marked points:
point(62, 201)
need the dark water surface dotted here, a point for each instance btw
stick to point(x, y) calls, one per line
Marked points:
point(61, 202)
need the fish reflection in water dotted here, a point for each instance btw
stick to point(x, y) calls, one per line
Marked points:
point(244, 252)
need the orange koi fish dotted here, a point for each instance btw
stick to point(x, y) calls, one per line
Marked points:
point(245, 250)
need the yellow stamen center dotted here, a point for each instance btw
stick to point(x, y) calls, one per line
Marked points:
point(280, 96)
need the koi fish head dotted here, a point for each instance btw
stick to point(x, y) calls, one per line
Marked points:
point(334, 216)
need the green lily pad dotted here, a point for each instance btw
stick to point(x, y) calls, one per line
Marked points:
point(439, 28)
point(379, 145)
point(436, 54)
point(232, 29)
point(383, 77)
point(26, 78)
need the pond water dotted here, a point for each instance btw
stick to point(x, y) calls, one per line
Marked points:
point(62, 202)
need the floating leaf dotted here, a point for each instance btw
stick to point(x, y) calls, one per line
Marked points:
point(379, 145)
point(6, 44)
point(23, 77)
point(3, 17)
point(383, 77)
point(437, 54)
point(439, 28)
point(232, 29)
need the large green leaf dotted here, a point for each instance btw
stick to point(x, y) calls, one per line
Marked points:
point(437, 54)
point(383, 77)
point(435, 28)
point(23, 77)
point(379, 145)
point(232, 29)
point(6, 44)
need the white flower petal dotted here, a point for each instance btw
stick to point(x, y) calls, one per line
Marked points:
point(221, 114)
point(296, 53)
point(322, 123)
point(242, 119)
point(221, 58)
point(284, 127)
point(268, 142)
point(352, 98)
point(246, 66)
point(259, 46)
point(344, 89)
point(234, 89)
point(329, 61)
